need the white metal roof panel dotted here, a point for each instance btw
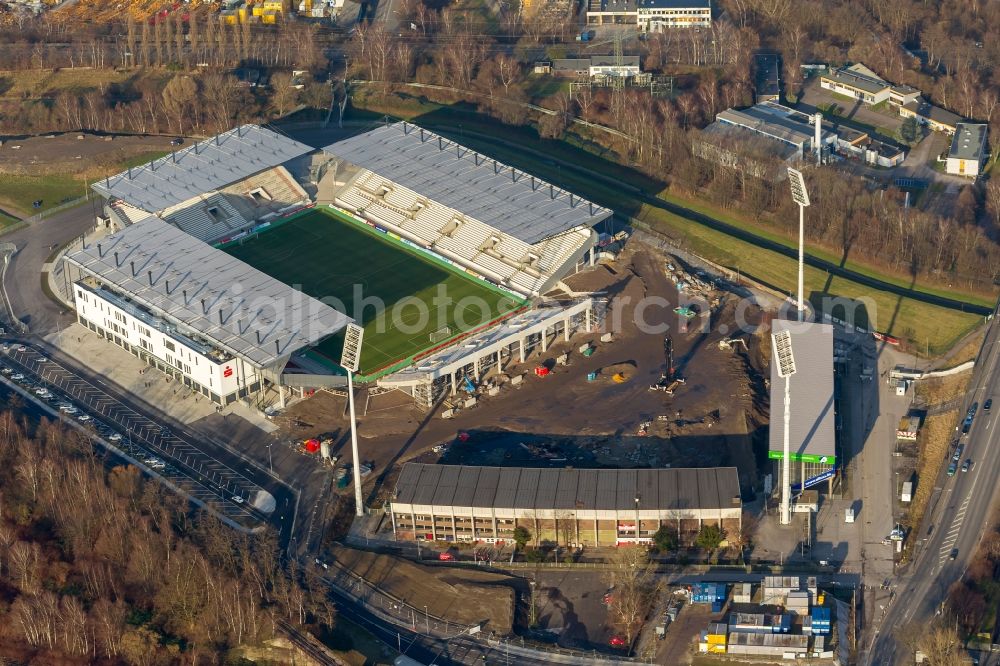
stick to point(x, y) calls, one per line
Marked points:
point(494, 193)
point(207, 292)
point(200, 168)
point(811, 430)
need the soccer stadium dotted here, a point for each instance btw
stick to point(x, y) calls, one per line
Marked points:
point(235, 264)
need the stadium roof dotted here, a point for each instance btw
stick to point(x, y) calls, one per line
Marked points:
point(812, 424)
point(596, 489)
point(201, 168)
point(511, 201)
point(210, 293)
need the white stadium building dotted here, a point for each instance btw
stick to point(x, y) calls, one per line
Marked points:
point(153, 280)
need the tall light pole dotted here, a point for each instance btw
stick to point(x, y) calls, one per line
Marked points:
point(801, 197)
point(781, 343)
point(350, 360)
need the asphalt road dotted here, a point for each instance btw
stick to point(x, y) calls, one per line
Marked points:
point(35, 244)
point(959, 510)
point(212, 473)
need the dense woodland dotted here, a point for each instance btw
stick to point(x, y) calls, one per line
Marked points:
point(181, 80)
point(101, 565)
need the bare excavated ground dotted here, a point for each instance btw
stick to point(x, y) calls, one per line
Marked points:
point(458, 595)
point(562, 419)
point(76, 152)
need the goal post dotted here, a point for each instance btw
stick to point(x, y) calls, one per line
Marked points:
point(440, 335)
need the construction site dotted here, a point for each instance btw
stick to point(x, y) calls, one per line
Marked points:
point(689, 394)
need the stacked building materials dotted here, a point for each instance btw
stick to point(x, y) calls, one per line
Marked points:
point(742, 593)
point(709, 593)
point(714, 638)
point(767, 644)
point(797, 601)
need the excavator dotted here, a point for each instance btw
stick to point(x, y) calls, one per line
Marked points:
point(669, 380)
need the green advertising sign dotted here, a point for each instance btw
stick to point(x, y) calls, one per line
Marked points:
point(804, 457)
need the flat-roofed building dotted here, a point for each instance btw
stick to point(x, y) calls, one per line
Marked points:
point(934, 117)
point(861, 83)
point(968, 150)
point(660, 15)
point(651, 15)
point(583, 507)
point(812, 433)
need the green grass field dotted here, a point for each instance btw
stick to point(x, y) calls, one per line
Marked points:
point(327, 255)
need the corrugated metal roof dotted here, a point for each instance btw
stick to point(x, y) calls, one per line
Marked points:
point(506, 494)
point(566, 489)
point(533, 488)
point(208, 293)
point(547, 481)
point(444, 492)
point(812, 423)
point(486, 489)
point(506, 199)
point(586, 490)
point(627, 489)
point(427, 484)
point(527, 488)
point(465, 488)
point(201, 168)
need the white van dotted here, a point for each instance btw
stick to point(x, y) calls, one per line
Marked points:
point(849, 515)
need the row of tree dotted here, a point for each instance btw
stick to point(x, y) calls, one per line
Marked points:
point(102, 564)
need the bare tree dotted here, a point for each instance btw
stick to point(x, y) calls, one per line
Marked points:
point(178, 97)
point(632, 576)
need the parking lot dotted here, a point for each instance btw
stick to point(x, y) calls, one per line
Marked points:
point(193, 466)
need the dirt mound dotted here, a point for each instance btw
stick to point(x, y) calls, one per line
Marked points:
point(456, 595)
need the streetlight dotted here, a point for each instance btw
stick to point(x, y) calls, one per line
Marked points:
point(801, 197)
point(637, 519)
point(782, 345)
point(350, 360)
point(427, 617)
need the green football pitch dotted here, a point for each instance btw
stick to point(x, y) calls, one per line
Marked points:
point(411, 303)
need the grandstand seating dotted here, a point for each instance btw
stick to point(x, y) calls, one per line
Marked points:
point(266, 192)
point(196, 220)
point(508, 260)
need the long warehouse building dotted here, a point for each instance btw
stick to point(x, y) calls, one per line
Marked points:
point(576, 507)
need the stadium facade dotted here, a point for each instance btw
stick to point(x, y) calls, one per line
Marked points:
point(160, 276)
point(572, 507)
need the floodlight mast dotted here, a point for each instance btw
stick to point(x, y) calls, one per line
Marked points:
point(800, 196)
point(781, 343)
point(350, 360)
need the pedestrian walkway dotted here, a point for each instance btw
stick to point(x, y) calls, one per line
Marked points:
point(149, 384)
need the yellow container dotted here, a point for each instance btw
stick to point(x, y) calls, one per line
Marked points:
point(715, 639)
point(258, 10)
point(269, 18)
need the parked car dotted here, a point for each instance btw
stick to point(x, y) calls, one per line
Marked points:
point(17, 377)
point(83, 418)
point(238, 499)
point(7, 371)
point(114, 437)
point(951, 468)
point(68, 408)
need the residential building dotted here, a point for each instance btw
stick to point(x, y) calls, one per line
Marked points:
point(651, 15)
point(582, 507)
point(968, 150)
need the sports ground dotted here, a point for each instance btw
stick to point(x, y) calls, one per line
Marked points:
point(330, 256)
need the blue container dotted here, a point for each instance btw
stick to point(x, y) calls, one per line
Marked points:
point(716, 606)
